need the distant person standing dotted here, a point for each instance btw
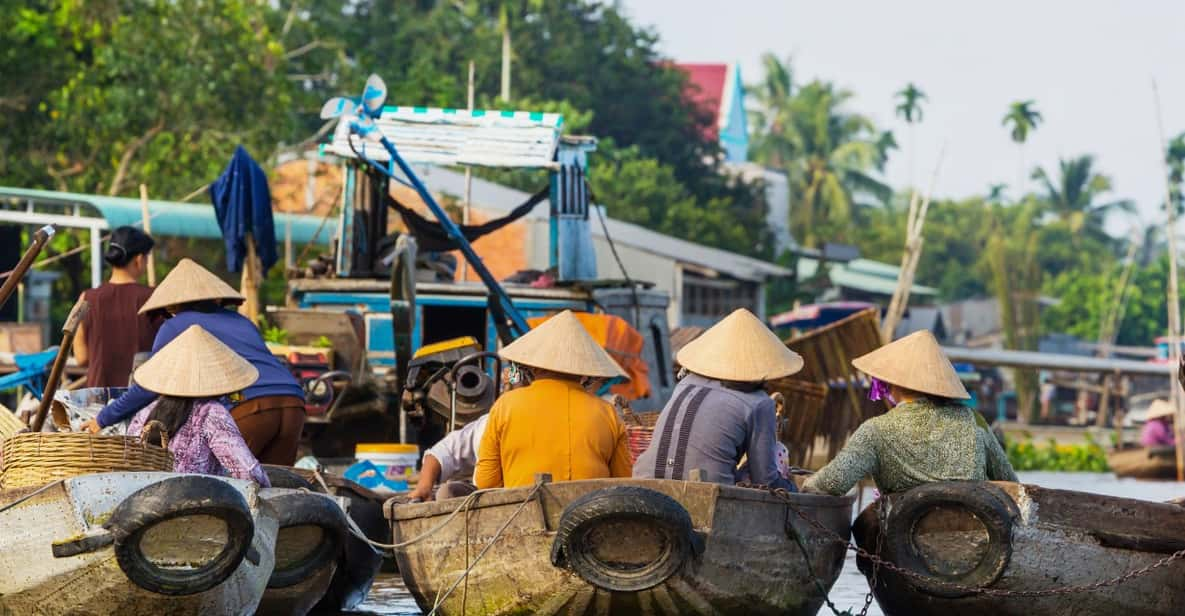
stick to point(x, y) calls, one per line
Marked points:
point(113, 330)
point(1048, 392)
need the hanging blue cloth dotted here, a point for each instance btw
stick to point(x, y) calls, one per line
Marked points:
point(243, 204)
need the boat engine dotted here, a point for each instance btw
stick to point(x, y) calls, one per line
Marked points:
point(449, 380)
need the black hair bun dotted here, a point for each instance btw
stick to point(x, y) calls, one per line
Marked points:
point(127, 243)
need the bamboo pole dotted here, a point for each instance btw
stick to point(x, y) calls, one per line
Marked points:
point(144, 216)
point(1174, 298)
point(249, 283)
point(915, 223)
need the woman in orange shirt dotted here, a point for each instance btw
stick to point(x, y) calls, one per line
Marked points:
point(552, 425)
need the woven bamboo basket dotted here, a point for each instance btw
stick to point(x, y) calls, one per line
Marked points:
point(37, 458)
point(639, 428)
point(10, 424)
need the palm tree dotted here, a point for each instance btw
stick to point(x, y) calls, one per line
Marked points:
point(997, 193)
point(771, 142)
point(910, 108)
point(506, 10)
point(1073, 197)
point(1024, 120)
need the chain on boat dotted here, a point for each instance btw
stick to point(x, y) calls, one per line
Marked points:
point(879, 562)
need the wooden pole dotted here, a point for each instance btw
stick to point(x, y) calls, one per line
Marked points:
point(12, 282)
point(249, 284)
point(73, 320)
point(147, 221)
point(1174, 298)
point(468, 182)
point(913, 251)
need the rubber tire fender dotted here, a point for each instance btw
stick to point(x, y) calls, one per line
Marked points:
point(307, 509)
point(987, 502)
point(173, 498)
point(285, 477)
point(571, 548)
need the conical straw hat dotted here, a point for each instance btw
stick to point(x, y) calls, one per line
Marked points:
point(561, 344)
point(189, 282)
point(914, 362)
point(195, 365)
point(1159, 408)
point(739, 348)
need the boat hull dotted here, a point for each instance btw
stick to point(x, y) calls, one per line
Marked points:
point(747, 562)
point(1143, 463)
point(92, 582)
point(1057, 539)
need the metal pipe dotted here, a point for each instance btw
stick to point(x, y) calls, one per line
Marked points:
point(40, 239)
point(77, 314)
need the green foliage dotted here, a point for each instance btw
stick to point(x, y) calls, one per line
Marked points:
point(273, 334)
point(910, 107)
point(323, 342)
point(831, 155)
point(1023, 118)
point(1029, 456)
point(1087, 298)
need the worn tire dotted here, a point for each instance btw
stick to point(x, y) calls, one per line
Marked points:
point(572, 549)
point(988, 503)
point(303, 509)
point(284, 477)
point(173, 498)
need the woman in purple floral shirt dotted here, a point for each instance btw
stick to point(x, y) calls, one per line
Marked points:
point(190, 374)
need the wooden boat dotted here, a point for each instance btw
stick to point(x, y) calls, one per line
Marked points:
point(1144, 463)
point(358, 563)
point(621, 546)
point(309, 543)
point(1014, 538)
point(135, 543)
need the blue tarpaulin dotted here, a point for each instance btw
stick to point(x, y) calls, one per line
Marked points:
point(243, 204)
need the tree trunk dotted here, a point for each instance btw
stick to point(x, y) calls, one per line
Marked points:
point(506, 62)
point(125, 161)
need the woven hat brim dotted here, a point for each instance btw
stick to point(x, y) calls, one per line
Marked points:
point(1158, 409)
point(196, 365)
point(739, 348)
point(915, 362)
point(187, 283)
point(561, 344)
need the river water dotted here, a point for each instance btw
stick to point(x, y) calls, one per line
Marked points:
point(389, 597)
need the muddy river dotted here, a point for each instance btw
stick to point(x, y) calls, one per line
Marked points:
point(390, 598)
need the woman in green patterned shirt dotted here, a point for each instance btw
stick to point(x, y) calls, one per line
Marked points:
point(927, 436)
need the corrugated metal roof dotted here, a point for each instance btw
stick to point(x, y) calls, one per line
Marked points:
point(496, 197)
point(863, 275)
point(460, 137)
point(1052, 361)
point(169, 218)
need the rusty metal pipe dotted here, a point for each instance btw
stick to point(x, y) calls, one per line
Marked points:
point(40, 239)
point(77, 314)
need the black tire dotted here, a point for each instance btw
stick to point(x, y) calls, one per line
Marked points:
point(173, 498)
point(302, 509)
point(988, 503)
point(284, 477)
point(572, 549)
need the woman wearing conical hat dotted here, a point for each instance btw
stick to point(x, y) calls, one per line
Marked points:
point(190, 374)
point(927, 436)
point(719, 412)
point(550, 424)
point(1158, 425)
point(269, 412)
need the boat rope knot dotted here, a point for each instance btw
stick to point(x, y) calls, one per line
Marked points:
point(877, 562)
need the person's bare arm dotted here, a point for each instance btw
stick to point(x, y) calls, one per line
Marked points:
point(81, 353)
point(429, 474)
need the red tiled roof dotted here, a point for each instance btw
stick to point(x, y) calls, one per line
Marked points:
point(706, 89)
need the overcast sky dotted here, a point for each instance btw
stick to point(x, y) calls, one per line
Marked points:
point(1088, 64)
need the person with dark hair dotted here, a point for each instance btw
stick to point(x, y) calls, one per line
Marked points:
point(190, 374)
point(113, 331)
point(927, 436)
point(270, 412)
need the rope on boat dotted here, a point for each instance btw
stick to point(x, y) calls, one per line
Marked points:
point(30, 495)
point(464, 506)
point(465, 575)
point(877, 561)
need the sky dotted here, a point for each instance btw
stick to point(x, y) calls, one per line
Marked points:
point(1089, 66)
